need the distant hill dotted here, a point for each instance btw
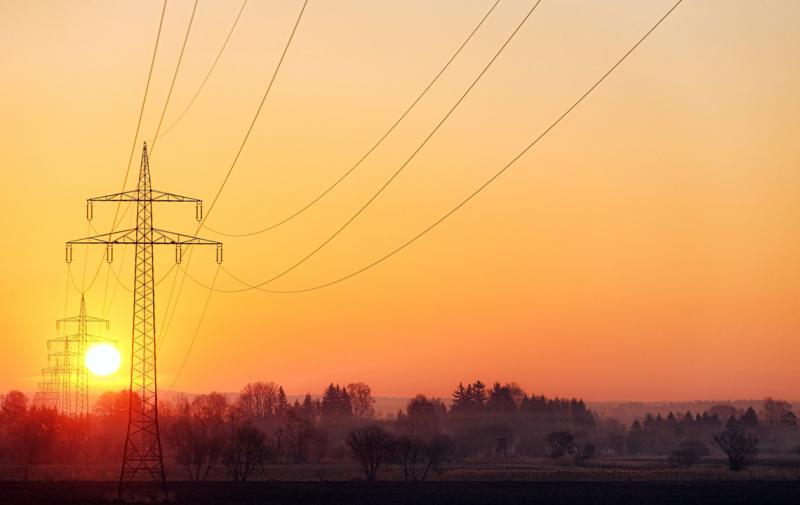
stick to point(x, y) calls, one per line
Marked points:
point(628, 411)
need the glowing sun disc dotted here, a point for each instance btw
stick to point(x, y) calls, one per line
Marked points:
point(102, 359)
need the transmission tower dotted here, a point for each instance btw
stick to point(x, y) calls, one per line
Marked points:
point(48, 395)
point(143, 453)
point(70, 369)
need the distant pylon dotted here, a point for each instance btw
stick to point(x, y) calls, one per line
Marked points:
point(48, 395)
point(143, 453)
point(70, 370)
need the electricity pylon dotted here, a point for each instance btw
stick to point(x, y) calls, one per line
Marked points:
point(48, 395)
point(72, 349)
point(143, 453)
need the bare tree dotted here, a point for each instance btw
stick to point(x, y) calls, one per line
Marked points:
point(259, 399)
point(777, 412)
point(740, 447)
point(361, 399)
point(421, 455)
point(408, 449)
point(198, 434)
point(435, 452)
point(372, 446)
point(245, 453)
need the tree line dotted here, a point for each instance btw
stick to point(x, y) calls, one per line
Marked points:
point(214, 435)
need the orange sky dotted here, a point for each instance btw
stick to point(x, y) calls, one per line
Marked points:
point(646, 249)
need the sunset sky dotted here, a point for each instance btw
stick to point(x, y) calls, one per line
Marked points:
point(647, 249)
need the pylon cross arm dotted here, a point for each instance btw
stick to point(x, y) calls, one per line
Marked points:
point(82, 319)
point(118, 237)
point(76, 337)
point(159, 237)
point(133, 196)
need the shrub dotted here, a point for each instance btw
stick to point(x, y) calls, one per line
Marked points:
point(372, 446)
point(559, 442)
point(740, 447)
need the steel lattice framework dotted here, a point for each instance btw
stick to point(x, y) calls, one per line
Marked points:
point(49, 393)
point(143, 453)
point(65, 385)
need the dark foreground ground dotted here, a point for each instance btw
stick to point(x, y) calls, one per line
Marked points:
point(438, 493)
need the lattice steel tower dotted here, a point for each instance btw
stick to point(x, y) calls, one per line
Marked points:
point(49, 393)
point(73, 395)
point(143, 453)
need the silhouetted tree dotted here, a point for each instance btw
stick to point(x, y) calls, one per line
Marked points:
point(259, 399)
point(297, 438)
point(462, 399)
point(749, 419)
point(777, 413)
point(335, 404)
point(361, 400)
point(245, 452)
point(309, 409)
point(722, 411)
point(423, 416)
point(15, 403)
point(372, 446)
point(479, 394)
point(435, 451)
point(559, 442)
point(740, 447)
point(501, 399)
point(198, 434)
point(282, 408)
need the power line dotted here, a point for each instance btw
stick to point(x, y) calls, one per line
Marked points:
point(255, 117)
point(476, 191)
point(374, 146)
point(233, 163)
point(141, 111)
point(174, 75)
point(196, 332)
point(401, 168)
point(160, 122)
point(114, 222)
point(208, 74)
point(212, 287)
point(166, 310)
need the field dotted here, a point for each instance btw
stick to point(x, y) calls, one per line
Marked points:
point(618, 481)
point(643, 468)
point(439, 493)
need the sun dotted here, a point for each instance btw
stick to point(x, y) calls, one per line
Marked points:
point(102, 359)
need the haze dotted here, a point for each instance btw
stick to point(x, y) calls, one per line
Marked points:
point(647, 249)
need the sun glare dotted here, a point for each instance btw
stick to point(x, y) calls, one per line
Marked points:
point(102, 359)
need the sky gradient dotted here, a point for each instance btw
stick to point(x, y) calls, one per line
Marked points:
point(646, 249)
